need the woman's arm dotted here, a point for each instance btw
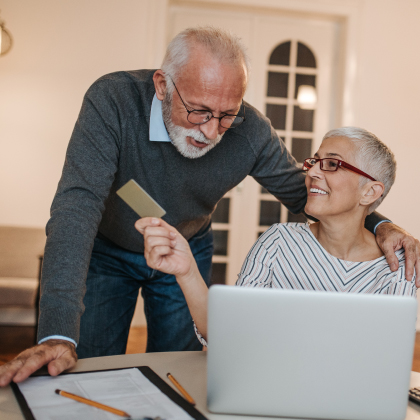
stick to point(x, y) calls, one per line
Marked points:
point(166, 250)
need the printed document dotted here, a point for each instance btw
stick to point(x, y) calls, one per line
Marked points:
point(127, 390)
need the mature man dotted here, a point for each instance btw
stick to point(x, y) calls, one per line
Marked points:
point(160, 128)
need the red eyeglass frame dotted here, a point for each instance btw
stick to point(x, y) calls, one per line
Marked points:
point(341, 163)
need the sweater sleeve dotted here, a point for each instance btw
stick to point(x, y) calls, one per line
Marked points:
point(89, 169)
point(277, 171)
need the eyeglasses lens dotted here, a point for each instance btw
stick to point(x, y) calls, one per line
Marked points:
point(231, 121)
point(329, 165)
point(201, 117)
point(308, 163)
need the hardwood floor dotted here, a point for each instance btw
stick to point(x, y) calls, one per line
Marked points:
point(416, 358)
point(137, 340)
point(13, 340)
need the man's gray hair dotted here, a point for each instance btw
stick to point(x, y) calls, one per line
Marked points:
point(372, 157)
point(221, 44)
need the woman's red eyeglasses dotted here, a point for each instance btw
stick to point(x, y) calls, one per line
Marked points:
point(331, 165)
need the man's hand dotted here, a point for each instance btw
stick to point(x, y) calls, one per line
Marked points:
point(58, 354)
point(391, 238)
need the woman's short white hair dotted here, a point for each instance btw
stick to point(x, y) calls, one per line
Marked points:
point(372, 157)
point(221, 44)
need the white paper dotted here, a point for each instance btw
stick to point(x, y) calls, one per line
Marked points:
point(127, 390)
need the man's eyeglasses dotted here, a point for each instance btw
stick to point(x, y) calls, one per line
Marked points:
point(198, 117)
point(331, 165)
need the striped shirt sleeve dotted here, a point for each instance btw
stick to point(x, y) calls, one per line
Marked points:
point(199, 336)
point(257, 270)
point(398, 285)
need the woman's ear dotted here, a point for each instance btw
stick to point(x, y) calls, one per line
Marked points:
point(160, 84)
point(371, 192)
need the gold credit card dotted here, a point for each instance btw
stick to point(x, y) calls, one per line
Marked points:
point(139, 200)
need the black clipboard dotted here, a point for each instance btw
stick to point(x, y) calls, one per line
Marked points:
point(151, 375)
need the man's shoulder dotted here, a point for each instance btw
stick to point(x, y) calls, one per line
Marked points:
point(128, 76)
point(254, 118)
point(256, 129)
point(140, 81)
point(123, 88)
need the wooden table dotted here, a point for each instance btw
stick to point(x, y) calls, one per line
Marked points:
point(188, 367)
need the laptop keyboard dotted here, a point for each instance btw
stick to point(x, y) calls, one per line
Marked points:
point(414, 394)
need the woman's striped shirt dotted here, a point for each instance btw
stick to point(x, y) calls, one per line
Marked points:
point(288, 256)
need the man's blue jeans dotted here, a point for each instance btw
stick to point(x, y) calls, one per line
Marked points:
point(113, 282)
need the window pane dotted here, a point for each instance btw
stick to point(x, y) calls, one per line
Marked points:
point(301, 149)
point(277, 115)
point(305, 57)
point(303, 119)
point(221, 214)
point(304, 79)
point(297, 218)
point(269, 212)
point(277, 84)
point(218, 273)
point(281, 54)
point(220, 242)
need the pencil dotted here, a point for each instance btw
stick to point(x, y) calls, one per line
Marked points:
point(92, 403)
point(181, 389)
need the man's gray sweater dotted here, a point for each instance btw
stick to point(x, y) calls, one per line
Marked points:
point(109, 146)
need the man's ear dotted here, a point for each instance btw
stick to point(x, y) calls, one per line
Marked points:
point(160, 84)
point(371, 192)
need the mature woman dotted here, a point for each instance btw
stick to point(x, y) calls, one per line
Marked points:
point(347, 179)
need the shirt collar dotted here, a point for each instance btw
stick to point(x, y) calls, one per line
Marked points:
point(157, 130)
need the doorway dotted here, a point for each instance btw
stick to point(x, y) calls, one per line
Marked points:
point(287, 51)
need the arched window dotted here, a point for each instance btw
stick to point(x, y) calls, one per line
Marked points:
point(290, 104)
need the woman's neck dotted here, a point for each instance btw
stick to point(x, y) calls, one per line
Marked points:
point(346, 239)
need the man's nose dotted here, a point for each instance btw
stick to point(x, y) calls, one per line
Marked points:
point(210, 129)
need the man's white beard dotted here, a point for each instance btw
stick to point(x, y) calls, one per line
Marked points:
point(178, 134)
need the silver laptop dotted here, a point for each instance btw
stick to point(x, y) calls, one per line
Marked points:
point(309, 354)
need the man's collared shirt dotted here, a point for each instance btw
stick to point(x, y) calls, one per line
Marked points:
point(157, 130)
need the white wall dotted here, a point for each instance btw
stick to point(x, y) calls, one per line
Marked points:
point(388, 92)
point(60, 48)
point(388, 88)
